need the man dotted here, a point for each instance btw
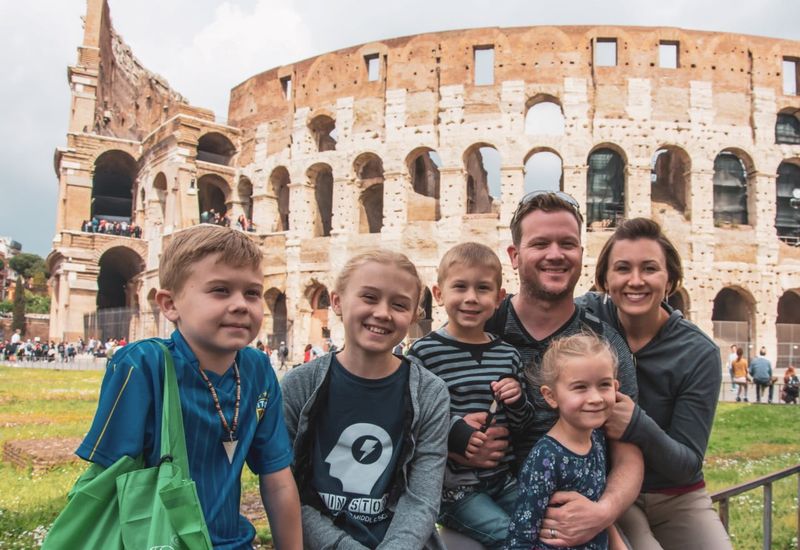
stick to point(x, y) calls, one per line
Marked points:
point(283, 354)
point(761, 371)
point(546, 251)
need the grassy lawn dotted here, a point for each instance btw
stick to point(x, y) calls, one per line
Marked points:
point(748, 441)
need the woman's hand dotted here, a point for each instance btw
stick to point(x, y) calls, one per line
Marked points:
point(620, 417)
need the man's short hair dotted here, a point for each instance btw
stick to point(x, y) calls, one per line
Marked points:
point(470, 254)
point(192, 245)
point(546, 201)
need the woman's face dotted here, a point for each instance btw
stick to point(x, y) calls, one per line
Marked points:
point(637, 277)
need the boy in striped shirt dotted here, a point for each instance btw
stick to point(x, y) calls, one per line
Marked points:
point(478, 369)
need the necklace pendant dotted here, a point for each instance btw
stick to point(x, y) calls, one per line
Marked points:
point(230, 448)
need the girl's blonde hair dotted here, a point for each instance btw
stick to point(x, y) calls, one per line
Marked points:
point(561, 350)
point(384, 257)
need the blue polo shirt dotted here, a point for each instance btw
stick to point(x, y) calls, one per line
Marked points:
point(128, 422)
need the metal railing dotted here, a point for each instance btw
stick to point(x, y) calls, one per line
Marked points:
point(723, 497)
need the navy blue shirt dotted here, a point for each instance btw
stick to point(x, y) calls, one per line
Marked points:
point(130, 402)
point(549, 468)
point(357, 443)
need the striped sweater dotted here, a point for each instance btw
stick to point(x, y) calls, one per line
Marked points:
point(468, 370)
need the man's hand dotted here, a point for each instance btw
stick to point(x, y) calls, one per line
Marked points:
point(492, 450)
point(620, 417)
point(507, 390)
point(573, 519)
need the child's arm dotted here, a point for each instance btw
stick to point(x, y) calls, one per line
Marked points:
point(282, 503)
point(418, 507)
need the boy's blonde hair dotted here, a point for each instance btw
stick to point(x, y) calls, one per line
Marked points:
point(470, 254)
point(561, 350)
point(380, 256)
point(189, 247)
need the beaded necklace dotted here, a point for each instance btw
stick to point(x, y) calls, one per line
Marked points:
point(229, 443)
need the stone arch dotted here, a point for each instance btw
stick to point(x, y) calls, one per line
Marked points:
point(154, 317)
point(213, 193)
point(423, 165)
point(215, 148)
point(113, 179)
point(368, 169)
point(544, 115)
point(160, 196)
point(371, 203)
point(425, 322)
point(245, 194)
point(670, 176)
point(731, 197)
point(116, 300)
point(787, 325)
point(605, 187)
point(279, 183)
point(543, 170)
point(680, 300)
point(323, 130)
point(482, 173)
point(787, 126)
point(320, 176)
point(276, 304)
point(787, 202)
point(320, 301)
point(733, 318)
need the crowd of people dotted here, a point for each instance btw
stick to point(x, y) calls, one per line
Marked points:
point(17, 349)
point(531, 420)
point(222, 219)
point(122, 228)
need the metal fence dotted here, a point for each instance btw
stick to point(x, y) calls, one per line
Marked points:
point(724, 496)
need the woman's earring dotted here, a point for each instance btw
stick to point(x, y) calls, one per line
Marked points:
point(605, 298)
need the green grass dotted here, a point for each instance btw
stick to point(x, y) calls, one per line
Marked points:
point(747, 441)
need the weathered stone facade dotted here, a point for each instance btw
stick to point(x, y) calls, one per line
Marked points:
point(385, 144)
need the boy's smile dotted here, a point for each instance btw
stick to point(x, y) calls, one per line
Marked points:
point(219, 310)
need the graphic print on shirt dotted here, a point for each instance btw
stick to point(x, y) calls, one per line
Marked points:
point(358, 459)
point(261, 405)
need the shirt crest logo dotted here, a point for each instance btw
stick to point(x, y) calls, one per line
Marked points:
point(261, 405)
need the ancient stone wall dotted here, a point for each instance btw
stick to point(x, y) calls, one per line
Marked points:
point(407, 144)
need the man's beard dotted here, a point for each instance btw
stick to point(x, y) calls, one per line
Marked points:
point(538, 292)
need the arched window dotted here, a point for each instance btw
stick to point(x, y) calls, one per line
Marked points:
point(788, 329)
point(605, 189)
point(544, 118)
point(543, 172)
point(112, 186)
point(669, 176)
point(211, 197)
point(245, 191)
point(323, 128)
point(730, 189)
point(279, 180)
point(787, 203)
point(423, 168)
point(482, 165)
point(787, 128)
point(215, 148)
point(733, 319)
point(321, 177)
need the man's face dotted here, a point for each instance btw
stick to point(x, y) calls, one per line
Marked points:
point(549, 255)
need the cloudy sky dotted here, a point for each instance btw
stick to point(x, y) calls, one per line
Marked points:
point(205, 47)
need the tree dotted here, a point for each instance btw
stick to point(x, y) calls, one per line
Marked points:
point(28, 265)
point(18, 318)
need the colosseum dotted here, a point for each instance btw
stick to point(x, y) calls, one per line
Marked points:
point(419, 142)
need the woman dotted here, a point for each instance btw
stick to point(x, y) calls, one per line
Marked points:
point(679, 374)
point(740, 376)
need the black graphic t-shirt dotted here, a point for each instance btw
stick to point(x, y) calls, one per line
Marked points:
point(356, 448)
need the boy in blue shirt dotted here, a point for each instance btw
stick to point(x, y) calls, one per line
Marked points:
point(211, 289)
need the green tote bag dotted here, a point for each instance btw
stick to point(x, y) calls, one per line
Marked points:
point(127, 506)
